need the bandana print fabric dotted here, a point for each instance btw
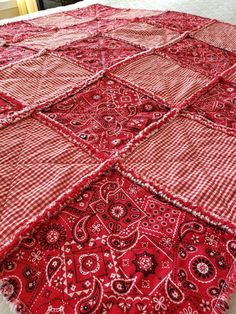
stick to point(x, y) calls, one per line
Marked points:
point(18, 31)
point(11, 54)
point(106, 114)
point(218, 104)
point(97, 53)
point(117, 163)
point(180, 22)
point(120, 241)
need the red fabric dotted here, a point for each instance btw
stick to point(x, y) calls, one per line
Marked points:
point(117, 163)
point(218, 104)
point(97, 53)
point(106, 114)
point(117, 248)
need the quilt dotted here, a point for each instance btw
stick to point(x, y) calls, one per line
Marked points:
point(118, 163)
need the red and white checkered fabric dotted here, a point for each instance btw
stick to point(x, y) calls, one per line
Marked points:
point(53, 39)
point(192, 161)
point(144, 35)
point(59, 20)
point(49, 75)
point(161, 77)
point(219, 34)
point(133, 13)
point(37, 165)
point(232, 76)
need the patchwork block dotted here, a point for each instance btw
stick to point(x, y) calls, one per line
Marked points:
point(18, 31)
point(177, 21)
point(144, 35)
point(134, 13)
point(94, 11)
point(219, 34)
point(53, 39)
point(193, 165)
point(218, 104)
point(59, 20)
point(49, 76)
point(36, 166)
point(106, 114)
point(200, 56)
point(97, 53)
point(161, 77)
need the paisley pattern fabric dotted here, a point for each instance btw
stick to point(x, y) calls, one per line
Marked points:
point(117, 163)
point(117, 248)
point(200, 56)
point(97, 53)
point(218, 104)
point(106, 114)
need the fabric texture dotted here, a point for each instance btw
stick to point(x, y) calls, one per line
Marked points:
point(117, 163)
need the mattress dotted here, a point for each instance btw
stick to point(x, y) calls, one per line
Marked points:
point(117, 158)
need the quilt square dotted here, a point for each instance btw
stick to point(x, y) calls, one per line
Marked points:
point(95, 11)
point(106, 114)
point(133, 14)
point(188, 165)
point(98, 52)
point(219, 34)
point(161, 77)
point(41, 78)
point(178, 21)
point(144, 35)
point(218, 104)
point(17, 31)
point(10, 54)
point(39, 165)
point(54, 39)
point(200, 56)
point(161, 256)
point(59, 20)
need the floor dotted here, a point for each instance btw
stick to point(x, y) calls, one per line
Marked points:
point(219, 9)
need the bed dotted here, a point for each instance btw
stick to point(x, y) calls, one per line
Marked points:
point(117, 160)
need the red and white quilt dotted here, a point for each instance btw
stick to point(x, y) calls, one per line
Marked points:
point(118, 163)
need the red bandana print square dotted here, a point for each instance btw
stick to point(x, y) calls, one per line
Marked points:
point(17, 31)
point(180, 22)
point(9, 54)
point(97, 53)
point(218, 104)
point(168, 262)
point(107, 114)
point(201, 57)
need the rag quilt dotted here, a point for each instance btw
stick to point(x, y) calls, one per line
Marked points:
point(118, 163)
